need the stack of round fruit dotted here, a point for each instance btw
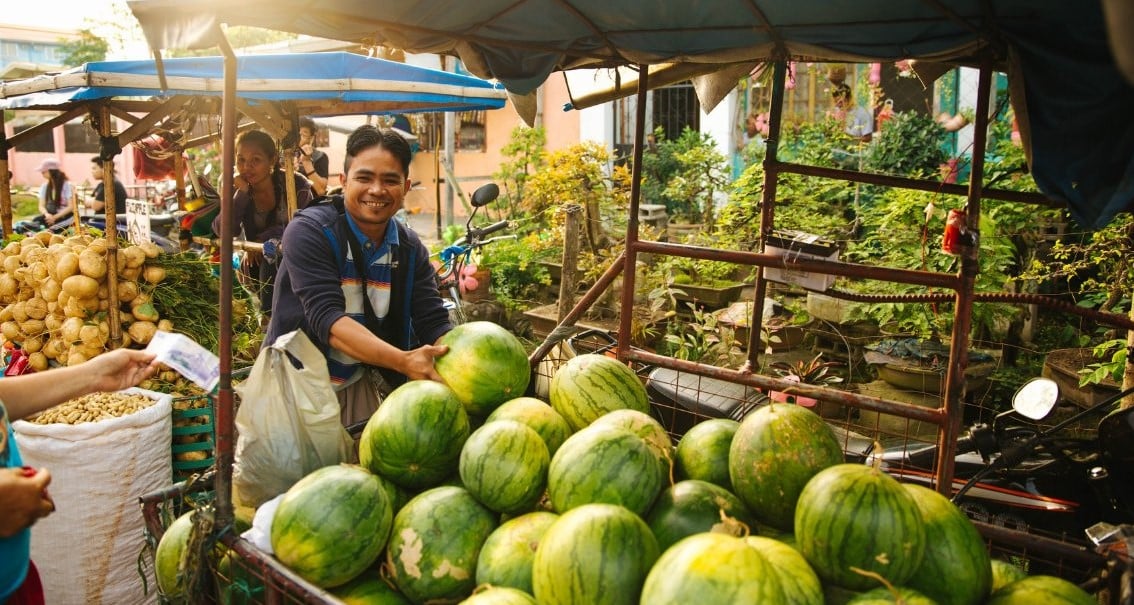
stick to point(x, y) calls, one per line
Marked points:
point(585, 500)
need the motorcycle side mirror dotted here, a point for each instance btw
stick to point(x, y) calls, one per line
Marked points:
point(485, 195)
point(1036, 398)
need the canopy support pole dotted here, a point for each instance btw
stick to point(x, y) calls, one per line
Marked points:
point(224, 412)
point(629, 261)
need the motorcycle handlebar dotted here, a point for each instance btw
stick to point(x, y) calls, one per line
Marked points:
point(475, 234)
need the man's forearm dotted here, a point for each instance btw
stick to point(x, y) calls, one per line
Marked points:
point(352, 338)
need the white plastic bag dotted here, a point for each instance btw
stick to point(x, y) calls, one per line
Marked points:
point(288, 422)
point(87, 550)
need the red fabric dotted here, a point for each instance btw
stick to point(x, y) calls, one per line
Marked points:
point(153, 158)
point(30, 592)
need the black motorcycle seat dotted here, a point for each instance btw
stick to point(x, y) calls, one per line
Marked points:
point(704, 396)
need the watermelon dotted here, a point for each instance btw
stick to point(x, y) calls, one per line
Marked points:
point(369, 589)
point(499, 595)
point(590, 385)
point(775, 451)
point(415, 437)
point(712, 568)
point(486, 365)
point(900, 595)
point(595, 554)
point(693, 506)
point(851, 515)
point(798, 581)
point(643, 425)
point(1041, 590)
point(507, 554)
point(703, 452)
point(1004, 573)
point(435, 542)
point(538, 415)
point(956, 569)
point(332, 524)
point(236, 583)
point(504, 466)
point(604, 464)
point(170, 551)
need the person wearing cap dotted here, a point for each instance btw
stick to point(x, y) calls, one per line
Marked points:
point(56, 195)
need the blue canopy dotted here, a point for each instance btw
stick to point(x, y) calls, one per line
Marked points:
point(333, 83)
point(1068, 91)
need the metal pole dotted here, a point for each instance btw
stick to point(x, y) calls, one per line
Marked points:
point(224, 411)
point(767, 209)
point(963, 309)
point(631, 256)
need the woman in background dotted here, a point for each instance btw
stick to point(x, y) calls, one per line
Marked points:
point(259, 207)
point(55, 198)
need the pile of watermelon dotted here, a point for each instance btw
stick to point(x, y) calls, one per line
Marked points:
point(476, 493)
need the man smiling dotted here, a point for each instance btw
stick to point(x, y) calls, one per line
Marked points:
point(360, 284)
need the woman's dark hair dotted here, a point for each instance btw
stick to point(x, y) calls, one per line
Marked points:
point(55, 180)
point(367, 136)
point(262, 141)
point(308, 123)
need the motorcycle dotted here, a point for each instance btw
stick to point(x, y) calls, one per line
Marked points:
point(455, 261)
point(1010, 473)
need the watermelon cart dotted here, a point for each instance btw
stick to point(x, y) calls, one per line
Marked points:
point(160, 106)
point(715, 43)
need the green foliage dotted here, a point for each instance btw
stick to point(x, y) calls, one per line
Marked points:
point(701, 339)
point(896, 233)
point(909, 145)
point(812, 371)
point(516, 273)
point(1113, 353)
point(1100, 263)
point(525, 156)
point(87, 48)
point(683, 174)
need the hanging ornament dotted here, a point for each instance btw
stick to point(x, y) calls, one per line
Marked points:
point(875, 74)
point(790, 84)
point(955, 232)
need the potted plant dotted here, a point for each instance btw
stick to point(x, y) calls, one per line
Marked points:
point(812, 371)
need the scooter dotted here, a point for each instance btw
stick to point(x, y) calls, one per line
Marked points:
point(1045, 480)
point(455, 261)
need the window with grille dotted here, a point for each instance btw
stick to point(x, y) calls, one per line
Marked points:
point(470, 136)
point(673, 108)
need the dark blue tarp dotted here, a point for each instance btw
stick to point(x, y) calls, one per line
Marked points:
point(337, 80)
point(1077, 102)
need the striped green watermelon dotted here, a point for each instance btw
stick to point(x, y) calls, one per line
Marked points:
point(956, 569)
point(435, 542)
point(237, 583)
point(1004, 573)
point(643, 425)
point(507, 555)
point(712, 568)
point(798, 581)
point(702, 452)
point(851, 515)
point(369, 589)
point(504, 466)
point(499, 595)
point(590, 385)
point(486, 365)
point(693, 506)
point(595, 554)
point(899, 595)
point(170, 551)
point(332, 524)
point(773, 454)
point(537, 414)
point(1041, 590)
point(415, 437)
point(604, 464)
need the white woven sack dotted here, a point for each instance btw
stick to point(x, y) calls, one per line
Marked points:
point(87, 550)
